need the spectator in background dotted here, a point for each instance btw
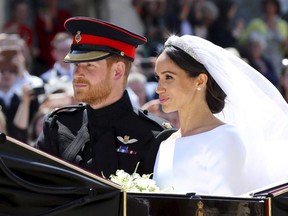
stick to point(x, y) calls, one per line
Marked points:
point(154, 106)
point(58, 79)
point(133, 97)
point(59, 98)
point(283, 86)
point(181, 15)
point(137, 82)
point(274, 30)
point(146, 67)
point(3, 127)
point(36, 126)
point(209, 12)
point(256, 58)
point(196, 17)
point(190, 15)
point(49, 21)
point(61, 74)
point(172, 15)
point(152, 15)
point(14, 42)
point(16, 24)
point(223, 31)
point(18, 107)
point(137, 4)
point(184, 11)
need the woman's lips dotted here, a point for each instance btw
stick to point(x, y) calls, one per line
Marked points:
point(163, 99)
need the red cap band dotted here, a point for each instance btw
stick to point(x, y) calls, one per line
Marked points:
point(129, 50)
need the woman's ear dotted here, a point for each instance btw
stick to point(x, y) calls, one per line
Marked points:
point(201, 81)
point(119, 70)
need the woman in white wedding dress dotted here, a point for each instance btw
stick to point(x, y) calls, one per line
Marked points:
point(233, 122)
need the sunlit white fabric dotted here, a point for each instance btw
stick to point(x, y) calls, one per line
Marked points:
point(253, 105)
point(208, 163)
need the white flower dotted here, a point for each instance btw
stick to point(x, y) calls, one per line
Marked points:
point(134, 182)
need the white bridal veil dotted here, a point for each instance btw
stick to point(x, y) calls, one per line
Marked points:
point(253, 105)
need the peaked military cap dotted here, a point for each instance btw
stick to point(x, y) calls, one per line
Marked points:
point(95, 39)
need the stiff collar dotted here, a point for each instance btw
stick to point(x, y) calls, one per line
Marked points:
point(106, 116)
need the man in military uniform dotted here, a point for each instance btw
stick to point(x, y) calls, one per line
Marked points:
point(105, 133)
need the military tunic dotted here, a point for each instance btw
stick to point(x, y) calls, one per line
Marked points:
point(101, 141)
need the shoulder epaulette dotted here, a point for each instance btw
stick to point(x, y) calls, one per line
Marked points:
point(158, 120)
point(69, 108)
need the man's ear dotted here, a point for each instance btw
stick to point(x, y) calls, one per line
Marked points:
point(119, 70)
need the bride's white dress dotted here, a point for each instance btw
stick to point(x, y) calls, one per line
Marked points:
point(209, 163)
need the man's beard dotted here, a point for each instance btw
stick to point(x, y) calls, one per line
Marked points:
point(95, 94)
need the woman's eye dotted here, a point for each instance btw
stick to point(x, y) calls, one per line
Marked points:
point(168, 77)
point(157, 77)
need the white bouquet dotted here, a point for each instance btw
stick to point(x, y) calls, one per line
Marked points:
point(134, 182)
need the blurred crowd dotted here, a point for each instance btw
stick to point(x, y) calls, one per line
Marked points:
point(34, 80)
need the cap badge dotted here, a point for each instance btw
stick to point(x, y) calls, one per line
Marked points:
point(126, 139)
point(122, 53)
point(78, 37)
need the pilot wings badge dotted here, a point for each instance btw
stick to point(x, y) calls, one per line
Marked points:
point(126, 139)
